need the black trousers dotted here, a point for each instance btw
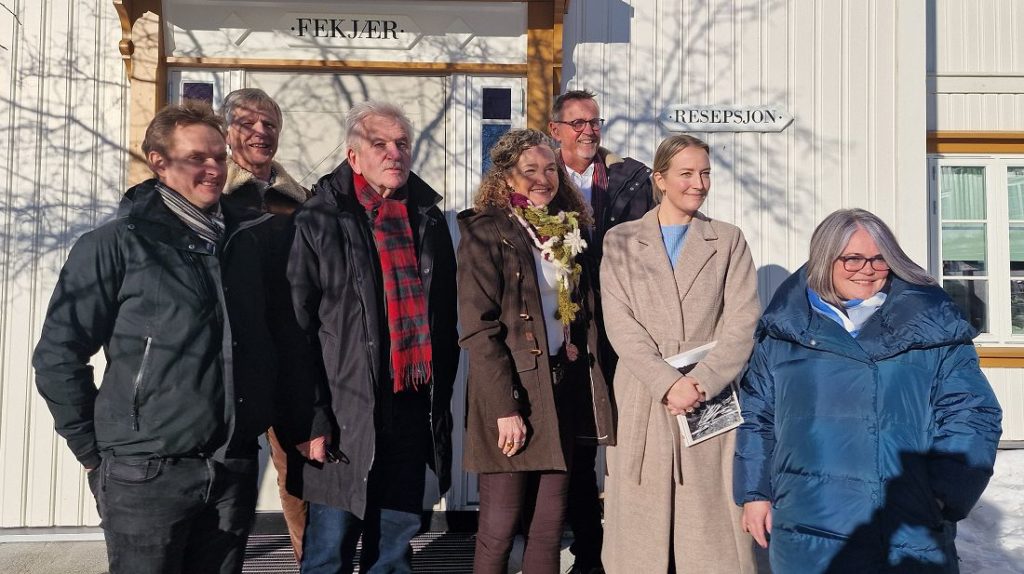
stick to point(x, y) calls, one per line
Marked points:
point(175, 515)
point(584, 510)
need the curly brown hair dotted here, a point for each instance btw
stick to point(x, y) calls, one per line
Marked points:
point(494, 190)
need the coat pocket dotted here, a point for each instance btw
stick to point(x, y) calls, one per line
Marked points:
point(525, 360)
point(134, 471)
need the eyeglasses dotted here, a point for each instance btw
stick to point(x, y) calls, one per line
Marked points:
point(855, 263)
point(578, 125)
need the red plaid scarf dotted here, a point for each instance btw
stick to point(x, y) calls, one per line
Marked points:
point(403, 289)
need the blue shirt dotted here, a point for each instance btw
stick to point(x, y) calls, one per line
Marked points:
point(674, 236)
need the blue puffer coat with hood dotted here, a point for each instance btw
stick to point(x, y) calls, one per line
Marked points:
point(869, 448)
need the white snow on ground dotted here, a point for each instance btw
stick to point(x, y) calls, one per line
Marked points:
point(991, 539)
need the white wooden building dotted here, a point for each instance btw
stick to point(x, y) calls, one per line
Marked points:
point(913, 109)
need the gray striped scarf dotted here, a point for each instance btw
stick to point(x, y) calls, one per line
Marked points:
point(207, 224)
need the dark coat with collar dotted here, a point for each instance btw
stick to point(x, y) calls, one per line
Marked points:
point(509, 363)
point(338, 295)
point(185, 327)
point(870, 449)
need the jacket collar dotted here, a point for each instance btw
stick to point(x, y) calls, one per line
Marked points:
point(143, 207)
point(675, 284)
point(608, 157)
point(283, 183)
point(912, 317)
point(337, 189)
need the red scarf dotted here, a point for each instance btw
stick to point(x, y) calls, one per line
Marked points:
point(403, 289)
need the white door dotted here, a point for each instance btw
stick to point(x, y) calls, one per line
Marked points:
point(314, 107)
point(455, 118)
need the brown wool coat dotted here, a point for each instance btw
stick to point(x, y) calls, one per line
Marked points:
point(509, 369)
point(659, 494)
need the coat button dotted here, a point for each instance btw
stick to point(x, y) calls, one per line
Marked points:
point(814, 343)
point(536, 352)
point(524, 316)
point(426, 271)
point(191, 245)
point(241, 400)
point(131, 226)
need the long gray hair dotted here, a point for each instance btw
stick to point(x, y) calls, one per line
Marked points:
point(357, 114)
point(831, 237)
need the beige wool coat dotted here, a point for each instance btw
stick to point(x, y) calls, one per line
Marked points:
point(658, 493)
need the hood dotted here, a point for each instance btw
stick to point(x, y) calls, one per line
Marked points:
point(913, 317)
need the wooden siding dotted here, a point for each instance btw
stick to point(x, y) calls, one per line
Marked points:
point(62, 160)
point(849, 72)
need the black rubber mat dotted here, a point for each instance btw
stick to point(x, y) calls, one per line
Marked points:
point(440, 552)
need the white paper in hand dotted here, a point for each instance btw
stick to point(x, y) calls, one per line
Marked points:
point(718, 415)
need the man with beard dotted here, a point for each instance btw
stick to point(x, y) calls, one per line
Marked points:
point(373, 284)
point(174, 290)
point(617, 190)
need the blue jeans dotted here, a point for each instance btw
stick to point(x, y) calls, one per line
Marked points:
point(331, 535)
point(394, 509)
point(175, 515)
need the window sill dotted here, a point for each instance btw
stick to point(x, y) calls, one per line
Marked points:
point(1005, 357)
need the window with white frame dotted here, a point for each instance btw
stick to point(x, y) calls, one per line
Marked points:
point(978, 252)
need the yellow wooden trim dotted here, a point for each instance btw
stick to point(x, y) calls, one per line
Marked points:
point(540, 57)
point(975, 142)
point(350, 66)
point(148, 79)
point(1006, 357)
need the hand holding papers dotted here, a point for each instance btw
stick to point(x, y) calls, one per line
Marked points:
point(718, 414)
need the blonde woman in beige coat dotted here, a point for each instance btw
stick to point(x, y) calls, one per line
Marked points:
point(663, 294)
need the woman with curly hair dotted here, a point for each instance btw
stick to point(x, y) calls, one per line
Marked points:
point(534, 385)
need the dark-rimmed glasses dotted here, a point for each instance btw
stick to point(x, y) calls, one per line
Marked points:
point(854, 263)
point(578, 125)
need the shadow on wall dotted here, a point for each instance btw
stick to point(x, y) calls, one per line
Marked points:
point(77, 137)
point(684, 71)
point(62, 159)
point(769, 277)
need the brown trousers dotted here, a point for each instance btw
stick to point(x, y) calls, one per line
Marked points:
point(294, 509)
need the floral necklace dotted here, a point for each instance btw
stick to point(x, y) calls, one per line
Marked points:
point(560, 241)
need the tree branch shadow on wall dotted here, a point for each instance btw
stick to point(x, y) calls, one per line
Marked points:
point(754, 164)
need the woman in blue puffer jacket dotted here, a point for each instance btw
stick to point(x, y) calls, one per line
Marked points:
point(870, 428)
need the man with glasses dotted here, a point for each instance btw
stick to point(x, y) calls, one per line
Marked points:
point(617, 190)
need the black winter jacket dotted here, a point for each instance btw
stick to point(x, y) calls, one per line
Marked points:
point(191, 362)
point(337, 291)
point(629, 196)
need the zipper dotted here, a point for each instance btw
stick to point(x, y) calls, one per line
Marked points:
point(138, 383)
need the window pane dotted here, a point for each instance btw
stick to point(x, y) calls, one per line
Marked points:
point(1016, 250)
point(972, 298)
point(963, 249)
point(1015, 191)
point(1017, 306)
point(962, 192)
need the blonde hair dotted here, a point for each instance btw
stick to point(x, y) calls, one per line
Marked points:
point(667, 150)
point(494, 190)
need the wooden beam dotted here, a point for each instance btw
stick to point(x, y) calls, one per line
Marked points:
point(540, 58)
point(975, 142)
point(349, 66)
point(1005, 357)
point(141, 47)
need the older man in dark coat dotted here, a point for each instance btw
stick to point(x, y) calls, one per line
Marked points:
point(373, 283)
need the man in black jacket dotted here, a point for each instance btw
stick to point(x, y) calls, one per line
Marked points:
point(618, 190)
point(372, 271)
point(175, 291)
